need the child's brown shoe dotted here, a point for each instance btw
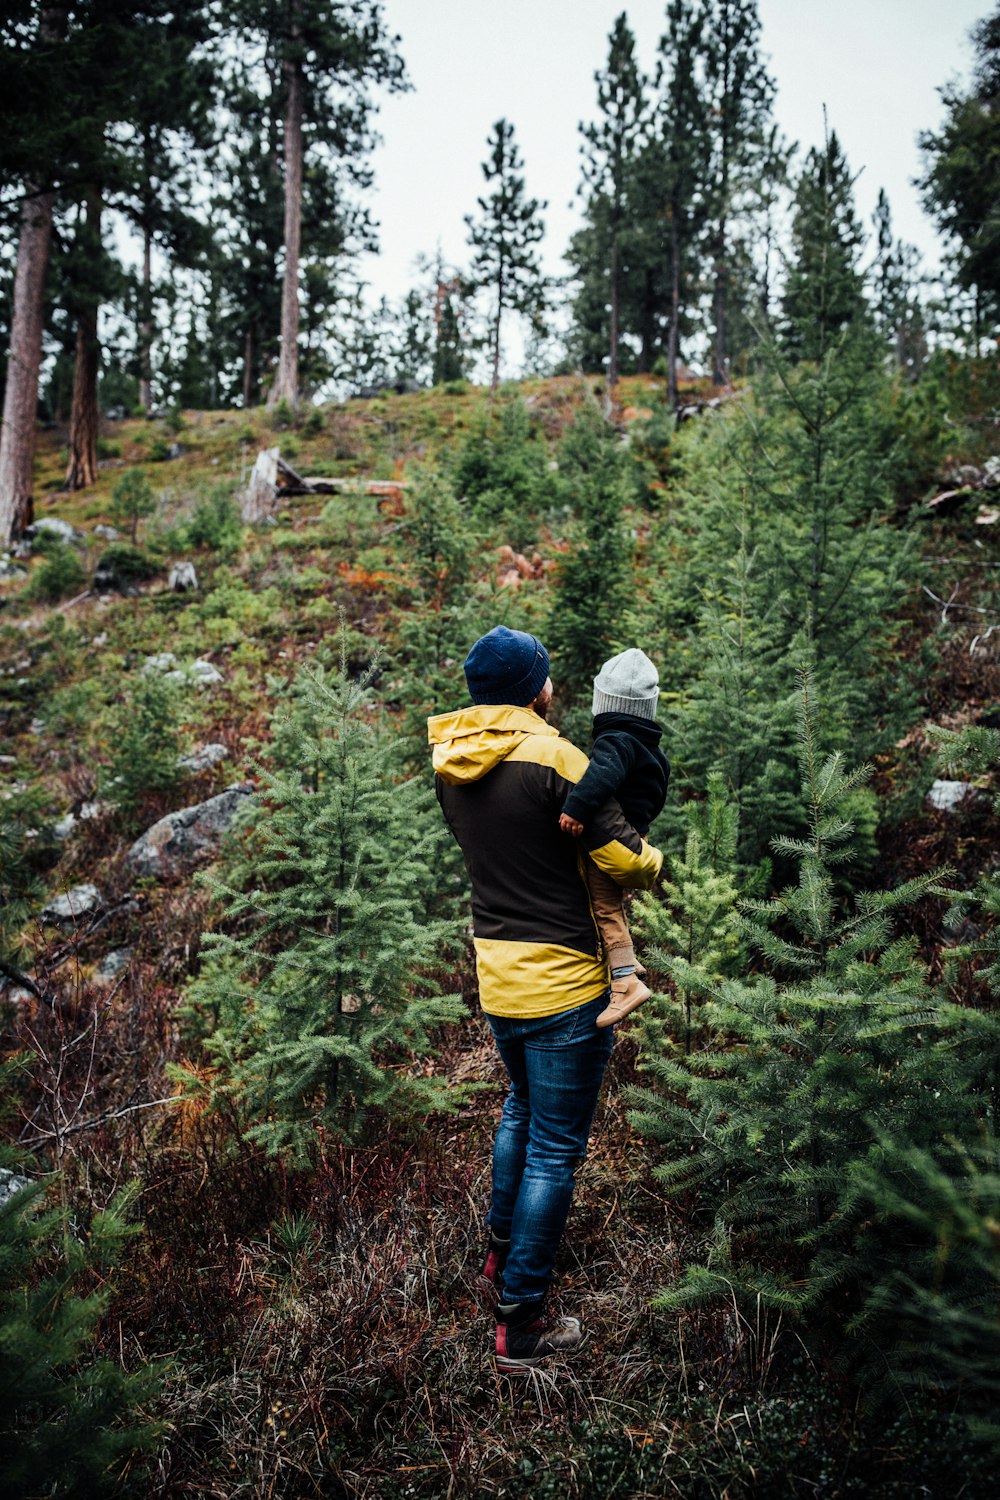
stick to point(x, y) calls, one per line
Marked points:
point(627, 993)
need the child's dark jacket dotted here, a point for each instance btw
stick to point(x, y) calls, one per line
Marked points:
point(626, 763)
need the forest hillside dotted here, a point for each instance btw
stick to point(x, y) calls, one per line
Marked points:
point(784, 1237)
point(252, 517)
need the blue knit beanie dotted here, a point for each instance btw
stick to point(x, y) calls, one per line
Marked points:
point(506, 666)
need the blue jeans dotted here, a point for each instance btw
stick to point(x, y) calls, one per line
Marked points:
point(556, 1065)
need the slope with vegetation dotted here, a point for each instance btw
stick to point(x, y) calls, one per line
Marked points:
point(300, 1288)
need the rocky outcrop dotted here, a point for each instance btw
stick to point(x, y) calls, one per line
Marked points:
point(203, 759)
point(200, 673)
point(66, 910)
point(182, 838)
point(11, 1183)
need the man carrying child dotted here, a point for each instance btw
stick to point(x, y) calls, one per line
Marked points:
point(503, 779)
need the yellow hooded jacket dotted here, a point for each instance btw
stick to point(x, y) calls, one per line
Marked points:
point(503, 775)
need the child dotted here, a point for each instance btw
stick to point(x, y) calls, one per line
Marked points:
point(627, 763)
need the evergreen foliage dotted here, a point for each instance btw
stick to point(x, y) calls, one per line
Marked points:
point(961, 182)
point(789, 559)
point(811, 1060)
point(741, 93)
point(692, 921)
point(592, 582)
point(132, 499)
point(70, 1423)
point(824, 289)
point(504, 240)
point(502, 468)
point(609, 151)
point(321, 987)
point(145, 742)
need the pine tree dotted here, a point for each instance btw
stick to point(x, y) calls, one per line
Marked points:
point(824, 289)
point(504, 238)
point(329, 57)
point(692, 922)
point(742, 94)
point(321, 987)
point(592, 581)
point(676, 163)
point(20, 397)
point(609, 149)
point(961, 182)
point(70, 1423)
point(814, 1059)
point(895, 298)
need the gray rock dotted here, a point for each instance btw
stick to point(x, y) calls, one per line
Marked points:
point(947, 795)
point(9, 569)
point(11, 1183)
point(106, 533)
point(64, 828)
point(200, 673)
point(204, 673)
point(66, 910)
point(55, 527)
point(184, 836)
point(112, 964)
point(182, 578)
point(203, 759)
point(163, 661)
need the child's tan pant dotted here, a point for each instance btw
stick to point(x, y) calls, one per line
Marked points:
point(609, 913)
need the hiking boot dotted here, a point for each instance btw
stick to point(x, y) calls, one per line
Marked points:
point(522, 1345)
point(627, 993)
point(489, 1282)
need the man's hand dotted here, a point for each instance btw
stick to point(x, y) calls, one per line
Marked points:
point(570, 825)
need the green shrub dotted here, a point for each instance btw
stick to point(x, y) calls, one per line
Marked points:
point(128, 564)
point(60, 576)
point(132, 499)
point(215, 522)
point(69, 1421)
point(144, 741)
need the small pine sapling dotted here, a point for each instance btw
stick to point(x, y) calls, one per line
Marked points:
point(132, 499)
point(70, 1422)
point(692, 924)
point(812, 1059)
point(322, 983)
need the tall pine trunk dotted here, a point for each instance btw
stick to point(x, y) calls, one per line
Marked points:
point(146, 324)
point(286, 382)
point(495, 336)
point(81, 470)
point(673, 335)
point(720, 290)
point(249, 381)
point(613, 350)
point(20, 405)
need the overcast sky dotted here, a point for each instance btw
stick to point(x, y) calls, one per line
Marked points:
point(876, 64)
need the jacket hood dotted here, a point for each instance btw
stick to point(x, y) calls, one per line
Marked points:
point(471, 741)
point(647, 731)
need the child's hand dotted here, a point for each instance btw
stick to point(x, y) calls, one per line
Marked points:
point(570, 825)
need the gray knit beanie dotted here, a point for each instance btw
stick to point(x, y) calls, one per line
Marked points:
point(627, 684)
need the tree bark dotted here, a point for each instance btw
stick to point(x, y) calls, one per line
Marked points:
point(20, 405)
point(286, 382)
point(146, 324)
point(673, 336)
point(720, 290)
point(613, 350)
point(249, 383)
point(81, 470)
